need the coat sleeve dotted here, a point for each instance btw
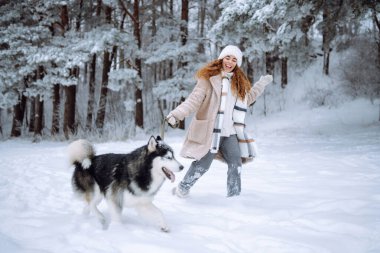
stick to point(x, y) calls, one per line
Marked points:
point(193, 101)
point(255, 92)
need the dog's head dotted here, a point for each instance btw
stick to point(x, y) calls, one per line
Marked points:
point(164, 161)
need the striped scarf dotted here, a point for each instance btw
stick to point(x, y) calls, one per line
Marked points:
point(247, 145)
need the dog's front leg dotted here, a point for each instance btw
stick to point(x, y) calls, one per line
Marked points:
point(152, 214)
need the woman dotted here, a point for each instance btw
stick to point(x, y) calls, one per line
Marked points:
point(219, 101)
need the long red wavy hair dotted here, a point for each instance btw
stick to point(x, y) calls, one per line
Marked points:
point(240, 83)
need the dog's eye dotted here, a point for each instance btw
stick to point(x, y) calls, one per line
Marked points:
point(169, 158)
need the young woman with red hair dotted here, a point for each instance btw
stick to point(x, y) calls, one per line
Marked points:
point(219, 100)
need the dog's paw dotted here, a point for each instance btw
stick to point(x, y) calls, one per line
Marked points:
point(165, 229)
point(104, 223)
point(177, 192)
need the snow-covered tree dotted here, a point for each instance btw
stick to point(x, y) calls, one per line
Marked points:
point(264, 28)
point(22, 35)
point(54, 43)
point(177, 50)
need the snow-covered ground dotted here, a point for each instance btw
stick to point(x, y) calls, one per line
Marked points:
point(314, 188)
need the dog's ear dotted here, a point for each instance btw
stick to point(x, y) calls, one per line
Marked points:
point(152, 144)
point(158, 138)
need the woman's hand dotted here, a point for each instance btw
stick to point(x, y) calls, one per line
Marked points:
point(172, 121)
point(265, 80)
point(258, 88)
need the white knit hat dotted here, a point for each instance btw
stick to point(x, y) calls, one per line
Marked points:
point(234, 51)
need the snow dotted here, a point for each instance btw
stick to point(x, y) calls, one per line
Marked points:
point(314, 188)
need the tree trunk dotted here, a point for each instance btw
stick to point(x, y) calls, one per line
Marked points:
point(56, 110)
point(265, 104)
point(38, 116)
point(139, 109)
point(32, 113)
point(64, 15)
point(250, 72)
point(184, 21)
point(107, 62)
point(154, 31)
point(306, 23)
point(326, 33)
point(70, 105)
point(1, 124)
point(18, 116)
point(79, 17)
point(91, 93)
point(284, 72)
point(377, 35)
point(326, 61)
point(69, 114)
point(171, 7)
point(85, 73)
point(103, 92)
point(184, 34)
point(135, 17)
point(92, 77)
point(269, 63)
point(39, 107)
point(154, 17)
point(171, 64)
point(201, 25)
point(331, 14)
point(70, 91)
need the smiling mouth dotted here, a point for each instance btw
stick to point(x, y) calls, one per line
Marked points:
point(228, 67)
point(169, 174)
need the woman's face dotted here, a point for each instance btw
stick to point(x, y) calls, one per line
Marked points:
point(229, 63)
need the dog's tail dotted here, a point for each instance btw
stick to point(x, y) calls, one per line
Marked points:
point(81, 151)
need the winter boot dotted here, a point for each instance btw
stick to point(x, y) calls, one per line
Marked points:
point(179, 193)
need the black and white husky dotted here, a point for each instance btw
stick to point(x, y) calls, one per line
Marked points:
point(123, 179)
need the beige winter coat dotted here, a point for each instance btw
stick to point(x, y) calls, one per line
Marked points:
point(204, 101)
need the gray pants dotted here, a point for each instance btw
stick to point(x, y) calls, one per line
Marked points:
point(229, 148)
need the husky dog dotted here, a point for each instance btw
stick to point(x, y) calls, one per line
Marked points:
point(123, 179)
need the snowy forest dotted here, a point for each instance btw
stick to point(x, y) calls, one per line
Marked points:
point(111, 69)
